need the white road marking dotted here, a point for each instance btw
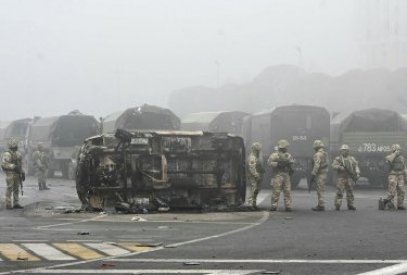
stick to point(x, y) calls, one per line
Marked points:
point(266, 214)
point(108, 249)
point(145, 271)
point(264, 261)
point(389, 270)
point(69, 223)
point(48, 252)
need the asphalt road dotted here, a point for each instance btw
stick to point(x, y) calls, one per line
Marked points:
point(42, 239)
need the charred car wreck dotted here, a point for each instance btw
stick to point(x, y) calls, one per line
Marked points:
point(158, 170)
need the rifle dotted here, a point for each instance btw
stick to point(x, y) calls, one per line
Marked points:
point(353, 176)
point(311, 182)
point(22, 179)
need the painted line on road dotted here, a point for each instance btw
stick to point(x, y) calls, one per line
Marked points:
point(78, 250)
point(14, 253)
point(263, 261)
point(389, 270)
point(145, 271)
point(108, 249)
point(264, 218)
point(69, 223)
point(48, 252)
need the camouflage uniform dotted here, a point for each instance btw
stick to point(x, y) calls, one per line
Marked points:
point(40, 162)
point(12, 166)
point(319, 173)
point(397, 174)
point(255, 172)
point(346, 167)
point(281, 163)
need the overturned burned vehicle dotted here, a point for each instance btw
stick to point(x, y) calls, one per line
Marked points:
point(158, 170)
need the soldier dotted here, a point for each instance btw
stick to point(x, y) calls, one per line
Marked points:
point(319, 173)
point(281, 163)
point(40, 162)
point(397, 173)
point(348, 172)
point(12, 166)
point(255, 173)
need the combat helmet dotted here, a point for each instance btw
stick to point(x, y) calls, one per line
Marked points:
point(344, 147)
point(40, 146)
point(282, 144)
point(395, 147)
point(12, 144)
point(256, 146)
point(318, 144)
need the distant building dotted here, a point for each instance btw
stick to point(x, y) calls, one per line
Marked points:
point(382, 33)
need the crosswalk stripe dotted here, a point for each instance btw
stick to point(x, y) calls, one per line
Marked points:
point(134, 247)
point(48, 252)
point(14, 253)
point(108, 249)
point(78, 250)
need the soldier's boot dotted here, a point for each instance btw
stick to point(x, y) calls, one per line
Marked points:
point(389, 204)
point(288, 209)
point(318, 208)
point(17, 206)
point(351, 207)
point(9, 207)
point(40, 186)
point(401, 207)
point(273, 208)
point(45, 187)
point(337, 207)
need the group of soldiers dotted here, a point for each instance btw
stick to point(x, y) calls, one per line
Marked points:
point(12, 166)
point(345, 166)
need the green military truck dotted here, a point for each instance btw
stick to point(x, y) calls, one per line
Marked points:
point(369, 134)
point(61, 136)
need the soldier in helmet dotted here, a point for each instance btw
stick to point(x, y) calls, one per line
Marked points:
point(319, 173)
point(348, 171)
point(40, 162)
point(281, 163)
point(255, 173)
point(12, 166)
point(397, 174)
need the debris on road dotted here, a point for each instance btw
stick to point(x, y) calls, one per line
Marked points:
point(138, 219)
point(107, 265)
point(83, 233)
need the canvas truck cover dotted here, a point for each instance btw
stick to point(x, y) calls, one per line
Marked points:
point(65, 130)
point(300, 125)
point(373, 130)
point(145, 117)
point(227, 121)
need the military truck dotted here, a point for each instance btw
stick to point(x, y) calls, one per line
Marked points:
point(369, 134)
point(14, 129)
point(62, 136)
point(299, 124)
point(155, 170)
point(228, 122)
point(145, 117)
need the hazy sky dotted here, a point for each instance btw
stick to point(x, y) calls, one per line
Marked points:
point(100, 56)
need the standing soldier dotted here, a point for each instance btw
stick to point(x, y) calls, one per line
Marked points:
point(319, 173)
point(255, 173)
point(348, 172)
point(397, 174)
point(12, 166)
point(281, 163)
point(40, 162)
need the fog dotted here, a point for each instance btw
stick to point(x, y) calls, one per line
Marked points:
point(101, 56)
